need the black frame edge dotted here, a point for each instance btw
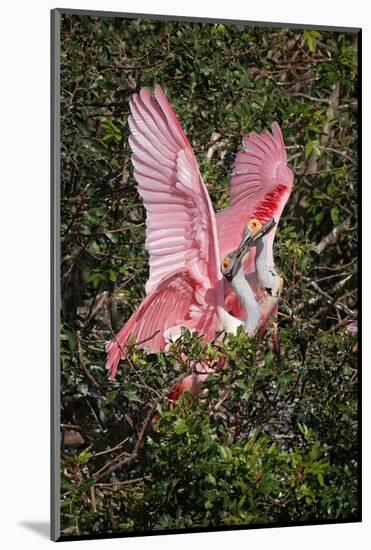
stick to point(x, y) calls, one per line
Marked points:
point(191, 19)
point(191, 531)
point(55, 270)
point(359, 261)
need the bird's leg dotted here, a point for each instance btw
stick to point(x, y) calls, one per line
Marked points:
point(267, 275)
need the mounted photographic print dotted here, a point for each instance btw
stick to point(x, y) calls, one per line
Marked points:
point(205, 271)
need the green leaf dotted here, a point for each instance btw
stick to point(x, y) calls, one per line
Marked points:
point(319, 217)
point(67, 484)
point(240, 384)
point(335, 215)
point(180, 426)
point(225, 453)
point(84, 456)
point(311, 39)
point(320, 479)
point(312, 146)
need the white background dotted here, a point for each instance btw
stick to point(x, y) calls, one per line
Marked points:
point(24, 253)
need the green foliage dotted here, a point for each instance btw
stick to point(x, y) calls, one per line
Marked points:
point(311, 38)
point(282, 446)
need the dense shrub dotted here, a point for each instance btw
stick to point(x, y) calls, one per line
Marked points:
point(282, 446)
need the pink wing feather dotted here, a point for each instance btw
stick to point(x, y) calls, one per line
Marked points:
point(181, 236)
point(181, 227)
point(169, 305)
point(260, 186)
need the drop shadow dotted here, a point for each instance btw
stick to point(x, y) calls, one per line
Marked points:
point(42, 528)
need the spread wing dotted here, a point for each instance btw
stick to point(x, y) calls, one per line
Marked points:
point(173, 304)
point(181, 234)
point(181, 227)
point(260, 186)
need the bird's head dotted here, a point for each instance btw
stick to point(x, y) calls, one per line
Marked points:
point(226, 263)
point(254, 231)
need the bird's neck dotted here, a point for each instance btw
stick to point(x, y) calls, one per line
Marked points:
point(265, 269)
point(248, 301)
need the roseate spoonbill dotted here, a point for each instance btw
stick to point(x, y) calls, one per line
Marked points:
point(188, 285)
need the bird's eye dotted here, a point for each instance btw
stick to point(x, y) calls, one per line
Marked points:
point(225, 263)
point(254, 225)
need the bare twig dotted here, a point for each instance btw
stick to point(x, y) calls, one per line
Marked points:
point(96, 306)
point(119, 67)
point(340, 153)
point(331, 301)
point(311, 98)
point(333, 105)
point(146, 339)
point(332, 237)
point(215, 145)
point(92, 499)
point(340, 284)
point(113, 484)
point(115, 448)
point(82, 365)
point(124, 459)
point(318, 172)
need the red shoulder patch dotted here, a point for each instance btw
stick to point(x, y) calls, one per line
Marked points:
point(269, 205)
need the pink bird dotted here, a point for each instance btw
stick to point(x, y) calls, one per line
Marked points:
point(188, 284)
